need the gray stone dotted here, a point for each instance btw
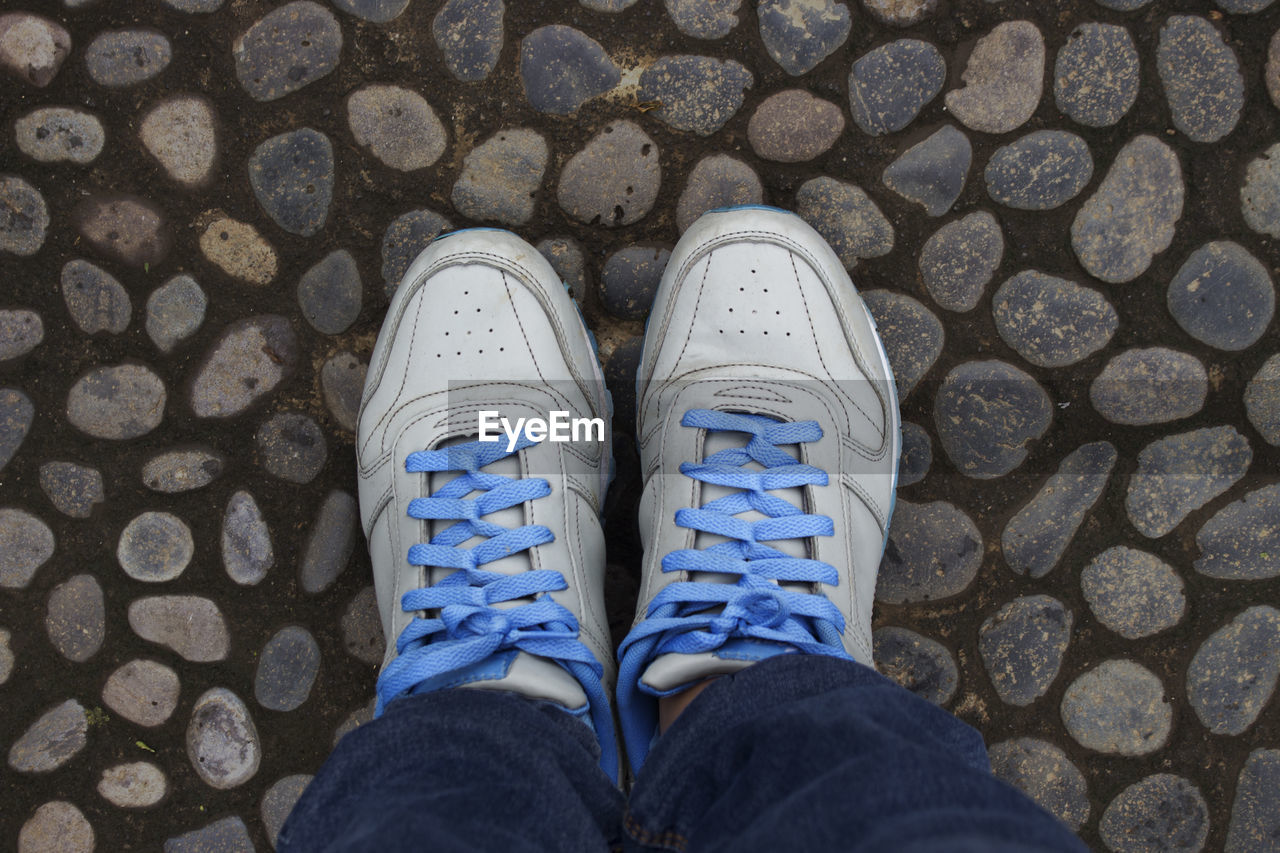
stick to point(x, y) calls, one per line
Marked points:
point(1201, 78)
point(563, 68)
point(239, 250)
point(1233, 674)
point(1043, 772)
point(362, 628)
point(1162, 812)
point(1022, 646)
point(279, 801)
point(793, 126)
point(911, 334)
point(179, 133)
point(1118, 707)
point(1003, 79)
point(247, 554)
point(292, 178)
point(16, 414)
point(195, 7)
point(846, 217)
point(119, 58)
point(1130, 218)
point(248, 361)
point(175, 310)
point(1272, 70)
point(397, 125)
point(189, 625)
point(72, 489)
point(291, 46)
point(181, 470)
point(330, 542)
point(155, 547)
point(1261, 401)
point(222, 741)
point(125, 228)
point(228, 835)
point(704, 19)
point(1151, 385)
point(932, 173)
point(469, 35)
point(1179, 474)
point(286, 669)
point(330, 293)
point(32, 47)
point(341, 385)
point(377, 11)
point(986, 412)
point(134, 785)
point(717, 181)
point(501, 177)
point(95, 298)
point(52, 740)
point(60, 135)
point(119, 403)
point(1133, 593)
point(24, 217)
point(695, 93)
point(1259, 196)
point(919, 664)
point(354, 720)
point(1223, 296)
point(959, 260)
point(1042, 170)
point(26, 544)
point(1050, 321)
point(1036, 537)
point(143, 692)
point(1242, 7)
point(1097, 74)
point(891, 84)
point(76, 619)
point(566, 258)
point(916, 456)
point(608, 6)
point(1123, 5)
point(21, 331)
point(6, 655)
point(799, 34)
point(934, 552)
point(630, 279)
point(404, 240)
point(900, 13)
point(1255, 814)
point(614, 179)
point(56, 827)
point(292, 447)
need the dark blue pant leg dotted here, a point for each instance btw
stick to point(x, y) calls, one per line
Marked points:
point(460, 770)
point(816, 754)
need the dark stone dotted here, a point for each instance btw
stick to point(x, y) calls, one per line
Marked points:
point(1003, 79)
point(287, 669)
point(1261, 402)
point(890, 85)
point(292, 178)
point(793, 126)
point(155, 547)
point(190, 625)
point(912, 336)
point(1097, 74)
point(1050, 321)
point(1161, 812)
point(292, 447)
point(469, 35)
point(1201, 78)
point(1233, 674)
point(1022, 646)
point(117, 402)
point(959, 260)
point(95, 298)
point(52, 740)
point(1042, 170)
point(228, 835)
point(73, 489)
point(704, 19)
point(501, 177)
point(1147, 386)
point(932, 173)
point(1260, 195)
point(566, 258)
point(1118, 707)
point(846, 217)
point(934, 552)
point(76, 620)
point(1255, 815)
point(614, 180)
point(362, 628)
point(404, 240)
point(182, 470)
point(799, 34)
point(246, 363)
point(919, 664)
point(24, 217)
point(1179, 474)
point(16, 414)
point(330, 542)
point(1043, 772)
point(341, 384)
point(1133, 593)
point(279, 801)
point(26, 544)
point(696, 93)
point(128, 229)
point(330, 293)
point(986, 412)
point(21, 331)
point(1242, 540)
point(122, 58)
point(175, 310)
point(1223, 296)
point(717, 181)
point(630, 280)
point(222, 741)
point(377, 11)
point(247, 554)
point(563, 68)
point(291, 46)
point(916, 456)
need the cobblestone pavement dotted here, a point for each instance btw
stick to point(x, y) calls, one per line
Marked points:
point(1062, 214)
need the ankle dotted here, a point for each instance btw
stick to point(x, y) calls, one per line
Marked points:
point(671, 707)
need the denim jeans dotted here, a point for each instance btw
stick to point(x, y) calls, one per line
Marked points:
point(793, 753)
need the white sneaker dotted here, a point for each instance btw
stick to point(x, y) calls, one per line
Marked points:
point(769, 437)
point(488, 556)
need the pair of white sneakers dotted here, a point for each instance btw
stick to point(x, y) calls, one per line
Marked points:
point(769, 436)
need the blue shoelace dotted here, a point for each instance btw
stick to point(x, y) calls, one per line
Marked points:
point(469, 629)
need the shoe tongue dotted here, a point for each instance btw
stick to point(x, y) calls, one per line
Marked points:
point(528, 675)
point(671, 673)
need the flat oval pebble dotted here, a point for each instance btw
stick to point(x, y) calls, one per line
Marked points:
point(900, 13)
point(279, 800)
point(1233, 674)
point(1123, 5)
point(1133, 593)
point(52, 740)
point(228, 834)
point(222, 741)
point(717, 181)
point(397, 125)
point(16, 414)
point(175, 311)
point(959, 260)
point(921, 665)
point(847, 219)
point(6, 655)
point(1179, 474)
point(916, 456)
point(933, 552)
point(329, 543)
point(190, 625)
point(1022, 646)
point(181, 470)
point(1118, 707)
point(377, 11)
point(21, 331)
point(60, 135)
point(1161, 812)
point(562, 68)
point(704, 19)
point(1242, 541)
point(287, 668)
point(1042, 170)
point(290, 47)
point(932, 173)
point(195, 7)
point(1201, 78)
point(95, 298)
point(567, 259)
point(799, 34)
point(125, 228)
point(76, 618)
point(56, 827)
point(1044, 773)
point(1271, 72)
point(469, 34)
point(608, 6)
point(292, 178)
point(135, 785)
point(118, 403)
point(247, 553)
point(26, 544)
point(1223, 296)
point(246, 363)
point(120, 58)
point(696, 93)
point(155, 547)
point(1130, 218)
point(180, 133)
point(912, 335)
point(1242, 7)
point(24, 217)
point(1261, 401)
point(1050, 321)
point(1003, 79)
point(1096, 76)
point(889, 86)
point(614, 180)
point(239, 250)
point(73, 489)
point(341, 385)
point(292, 447)
point(1255, 814)
point(404, 239)
point(630, 280)
point(501, 177)
point(1149, 385)
point(986, 413)
point(361, 625)
point(143, 692)
point(793, 126)
point(330, 293)
point(1259, 195)
point(32, 47)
